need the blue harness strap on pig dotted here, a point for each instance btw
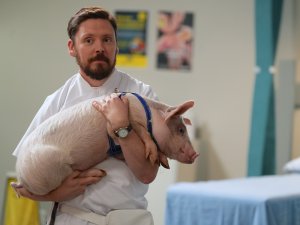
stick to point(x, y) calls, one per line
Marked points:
point(116, 149)
point(149, 117)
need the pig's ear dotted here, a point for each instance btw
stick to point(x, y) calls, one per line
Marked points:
point(187, 121)
point(163, 160)
point(179, 110)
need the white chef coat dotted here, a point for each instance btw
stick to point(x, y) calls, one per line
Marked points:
point(120, 189)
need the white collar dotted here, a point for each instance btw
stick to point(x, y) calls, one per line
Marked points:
point(108, 86)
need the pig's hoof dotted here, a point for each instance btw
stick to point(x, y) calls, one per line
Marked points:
point(153, 156)
point(151, 153)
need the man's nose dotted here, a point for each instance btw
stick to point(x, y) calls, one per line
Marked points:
point(99, 47)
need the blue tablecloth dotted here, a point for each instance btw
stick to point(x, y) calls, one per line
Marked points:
point(266, 200)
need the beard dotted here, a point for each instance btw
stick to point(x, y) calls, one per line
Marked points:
point(100, 72)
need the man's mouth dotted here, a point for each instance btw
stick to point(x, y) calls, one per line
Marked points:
point(99, 58)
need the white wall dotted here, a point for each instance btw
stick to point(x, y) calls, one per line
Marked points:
point(34, 62)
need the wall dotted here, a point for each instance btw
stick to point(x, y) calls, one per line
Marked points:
point(284, 80)
point(34, 62)
point(296, 121)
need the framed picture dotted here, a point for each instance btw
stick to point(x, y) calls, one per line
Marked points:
point(175, 39)
point(132, 38)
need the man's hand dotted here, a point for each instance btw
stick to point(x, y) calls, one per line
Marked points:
point(115, 110)
point(71, 187)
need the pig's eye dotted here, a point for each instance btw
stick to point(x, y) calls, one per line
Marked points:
point(181, 131)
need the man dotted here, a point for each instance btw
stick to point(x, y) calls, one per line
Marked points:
point(82, 199)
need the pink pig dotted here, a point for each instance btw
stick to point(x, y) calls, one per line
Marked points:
point(76, 139)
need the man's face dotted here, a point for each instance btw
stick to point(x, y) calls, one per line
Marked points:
point(95, 48)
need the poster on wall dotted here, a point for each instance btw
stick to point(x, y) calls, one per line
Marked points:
point(132, 38)
point(175, 39)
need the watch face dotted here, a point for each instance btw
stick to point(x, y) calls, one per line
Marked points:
point(123, 133)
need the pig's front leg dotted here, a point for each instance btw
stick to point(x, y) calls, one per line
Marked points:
point(151, 150)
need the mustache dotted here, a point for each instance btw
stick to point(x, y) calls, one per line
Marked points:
point(99, 57)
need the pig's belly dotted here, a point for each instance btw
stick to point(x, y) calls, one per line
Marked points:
point(89, 155)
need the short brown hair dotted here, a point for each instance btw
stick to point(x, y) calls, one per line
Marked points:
point(89, 13)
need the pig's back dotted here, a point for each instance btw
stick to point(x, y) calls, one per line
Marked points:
point(74, 138)
point(80, 131)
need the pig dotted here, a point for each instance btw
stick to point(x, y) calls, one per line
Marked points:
point(77, 139)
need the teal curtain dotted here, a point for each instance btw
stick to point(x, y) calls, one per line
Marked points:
point(262, 149)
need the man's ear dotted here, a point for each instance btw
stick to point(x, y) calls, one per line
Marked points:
point(71, 48)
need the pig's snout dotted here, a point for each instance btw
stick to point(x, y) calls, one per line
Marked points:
point(189, 155)
point(194, 156)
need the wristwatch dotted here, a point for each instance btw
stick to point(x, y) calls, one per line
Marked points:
point(123, 131)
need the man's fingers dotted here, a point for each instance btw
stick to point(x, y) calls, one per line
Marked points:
point(20, 191)
point(84, 181)
point(91, 176)
point(97, 106)
point(16, 186)
point(124, 99)
point(74, 174)
point(93, 173)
